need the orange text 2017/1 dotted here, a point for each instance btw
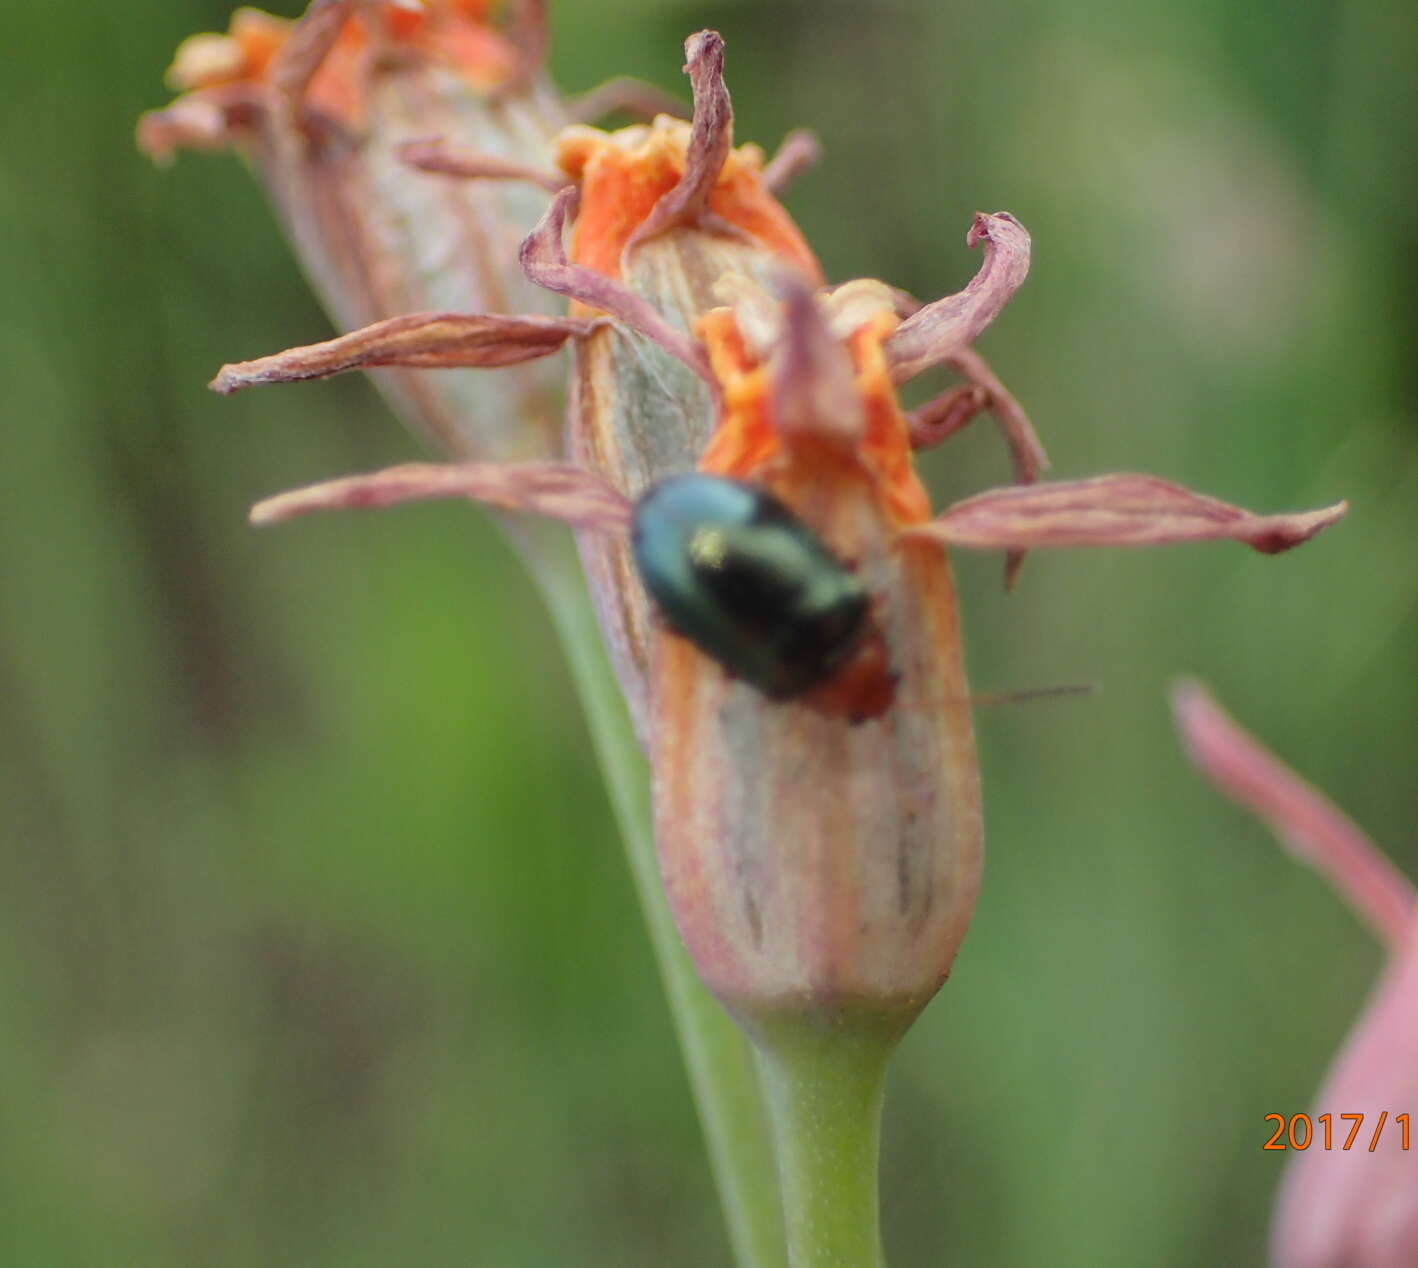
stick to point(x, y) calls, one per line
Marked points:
point(1337, 1131)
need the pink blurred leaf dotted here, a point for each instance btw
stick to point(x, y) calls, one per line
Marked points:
point(1351, 1202)
point(1358, 1208)
point(1116, 510)
point(1307, 823)
point(551, 489)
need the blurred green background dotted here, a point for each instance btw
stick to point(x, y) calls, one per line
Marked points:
point(316, 943)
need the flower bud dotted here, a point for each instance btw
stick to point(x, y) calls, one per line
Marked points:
point(825, 853)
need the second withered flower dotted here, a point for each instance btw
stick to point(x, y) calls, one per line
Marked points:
point(333, 111)
point(821, 845)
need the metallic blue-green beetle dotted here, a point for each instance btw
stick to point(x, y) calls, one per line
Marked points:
point(733, 570)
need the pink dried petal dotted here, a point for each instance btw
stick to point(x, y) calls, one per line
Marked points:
point(943, 329)
point(444, 158)
point(544, 261)
point(1307, 823)
point(301, 56)
point(1026, 450)
point(799, 151)
point(422, 340)
point(710, 140)
point(1116, 510)
point(625, 95)
point(553, 489)
point(814, 384)
point(942, 416)
point(530, 30)
point(208, 120)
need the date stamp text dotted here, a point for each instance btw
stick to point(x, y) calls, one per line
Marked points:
point(1337, 1131)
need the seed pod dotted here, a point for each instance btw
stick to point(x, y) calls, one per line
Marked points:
point(326, 108)
point(813, 862)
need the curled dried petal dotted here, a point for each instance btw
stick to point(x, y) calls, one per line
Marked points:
point(942, 416)
point(311, 41)
point(423, 340)
point(207, 122)
point(553, 489)
point(799, 151)
point(1025, 448)
point(1116, 510)
point(1307, 823)
point(530, 30)
point(444, 158)
point(710, 140)
point(943, 329)
point(544, 261)
point(625, 95)
point(815, 393)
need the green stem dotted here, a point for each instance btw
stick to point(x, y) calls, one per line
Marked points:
point(718, 1058)
point(825, 1085)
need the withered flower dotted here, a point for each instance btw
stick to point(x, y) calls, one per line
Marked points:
point(821, 847)
point(659, 218)
point(824, 852)
point(364, 119)
point(1350, 1200)
point(330, 109)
